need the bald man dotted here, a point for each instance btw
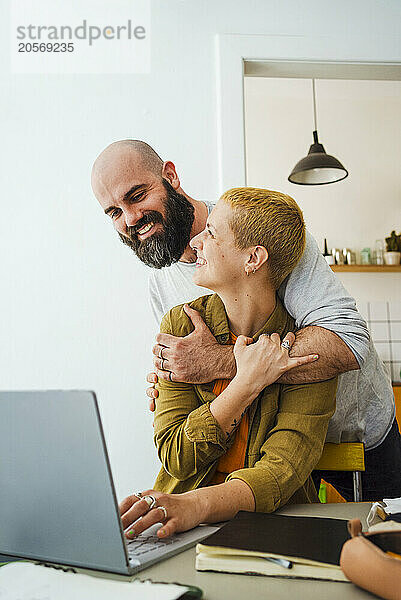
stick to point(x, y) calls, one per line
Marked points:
point(152, 214)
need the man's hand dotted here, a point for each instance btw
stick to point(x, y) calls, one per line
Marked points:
point(195, 358)
point(152, 391)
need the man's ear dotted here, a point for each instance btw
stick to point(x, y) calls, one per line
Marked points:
point(257, 257)
point(169, 173)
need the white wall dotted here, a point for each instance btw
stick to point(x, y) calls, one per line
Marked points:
point(73, 300)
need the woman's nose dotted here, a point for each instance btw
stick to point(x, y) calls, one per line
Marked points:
point(196, 242)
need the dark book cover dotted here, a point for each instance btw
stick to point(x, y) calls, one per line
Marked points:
point(388, 541)
point(313, 538)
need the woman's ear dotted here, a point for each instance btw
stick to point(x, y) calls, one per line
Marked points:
point(257, 257)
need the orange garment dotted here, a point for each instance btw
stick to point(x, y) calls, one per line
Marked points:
point(234, 458)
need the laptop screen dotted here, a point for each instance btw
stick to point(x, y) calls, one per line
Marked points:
point(57, 496)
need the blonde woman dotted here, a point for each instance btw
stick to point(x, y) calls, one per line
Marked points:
point(249, 443)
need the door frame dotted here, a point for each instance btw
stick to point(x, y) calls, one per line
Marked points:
point(294, 53)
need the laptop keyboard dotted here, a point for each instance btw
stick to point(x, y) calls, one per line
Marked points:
point(145, 543)
point(147, 548)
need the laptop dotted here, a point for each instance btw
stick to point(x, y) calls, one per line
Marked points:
point(57, 497)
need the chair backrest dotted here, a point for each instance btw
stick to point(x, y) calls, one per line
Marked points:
point(348, 456)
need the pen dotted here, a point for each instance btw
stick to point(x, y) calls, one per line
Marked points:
point(287, 564)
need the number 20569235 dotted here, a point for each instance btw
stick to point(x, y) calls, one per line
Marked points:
point(46, 47)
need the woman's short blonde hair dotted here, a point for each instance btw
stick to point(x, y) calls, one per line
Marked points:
point(270, 219)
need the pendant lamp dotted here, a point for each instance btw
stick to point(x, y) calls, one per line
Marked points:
point(317, 168)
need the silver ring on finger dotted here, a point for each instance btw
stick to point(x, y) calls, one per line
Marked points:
point(164, 510)
point(137, 494)
point(286, 344)
point(150, 501)
point(161, 352)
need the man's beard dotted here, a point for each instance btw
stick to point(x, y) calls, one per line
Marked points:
point(165, 247)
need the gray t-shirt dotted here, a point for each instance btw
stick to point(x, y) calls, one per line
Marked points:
point(313, 295)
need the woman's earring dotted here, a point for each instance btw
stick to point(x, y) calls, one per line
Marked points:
point(254, 271)
point(247, 273)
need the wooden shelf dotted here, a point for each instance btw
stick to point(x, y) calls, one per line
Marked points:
point(367, 268)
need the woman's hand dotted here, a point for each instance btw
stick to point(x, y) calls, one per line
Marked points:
point(261, 363)
point(209, 504)
point(183, 513)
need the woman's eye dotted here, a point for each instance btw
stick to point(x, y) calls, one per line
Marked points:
point(115, 213)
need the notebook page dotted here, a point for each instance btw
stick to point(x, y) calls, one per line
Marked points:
point(26, 581)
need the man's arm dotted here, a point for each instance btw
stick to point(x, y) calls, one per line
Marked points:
point(199, 358)
point(334, 356)
point(314, 296)
point(190, 361)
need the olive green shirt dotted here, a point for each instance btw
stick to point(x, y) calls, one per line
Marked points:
point(287, 423)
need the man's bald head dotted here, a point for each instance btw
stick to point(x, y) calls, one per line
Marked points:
point(120, 165)
point(132, 154)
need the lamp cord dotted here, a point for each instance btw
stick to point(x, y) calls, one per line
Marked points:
point(314, 103)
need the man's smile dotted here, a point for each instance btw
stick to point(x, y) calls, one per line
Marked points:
point(159, 239)
point(146, 231)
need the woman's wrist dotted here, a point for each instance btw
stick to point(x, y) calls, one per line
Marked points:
point(207, 506)
point(245, 390)
point(221, 502)
point(199, 504)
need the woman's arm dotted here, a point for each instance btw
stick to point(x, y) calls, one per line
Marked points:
point(258, 365)
point(294, 445)
point(291, 450)
point(186, 434)
point(190, 436)
point(185, 511)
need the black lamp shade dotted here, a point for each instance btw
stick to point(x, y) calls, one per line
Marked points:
point(317, 168)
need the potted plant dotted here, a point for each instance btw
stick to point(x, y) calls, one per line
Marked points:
point(393, 254)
